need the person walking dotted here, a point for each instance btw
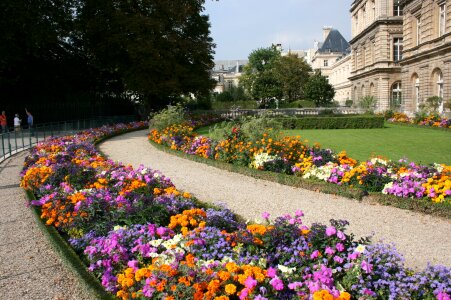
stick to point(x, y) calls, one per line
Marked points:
point(17, 122)
point(30, 122)
point(4, 122)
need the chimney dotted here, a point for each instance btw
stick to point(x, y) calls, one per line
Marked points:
point(326, 31)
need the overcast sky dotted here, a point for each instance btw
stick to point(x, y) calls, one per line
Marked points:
point(240, 26)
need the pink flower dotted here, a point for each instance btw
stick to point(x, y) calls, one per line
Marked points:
point(315, 254)
point(276, 283)
point(161, 231)
point(265, 215)
point(341, 235)
point(340, 247)
point(244, 293)
point(331, 231)
point(250, 282)
point(299, 213)
point(367, 267)
point(329, 250)
point(271, 272)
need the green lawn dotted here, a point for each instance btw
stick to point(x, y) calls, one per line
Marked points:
point(393, 142)
point(421, 145)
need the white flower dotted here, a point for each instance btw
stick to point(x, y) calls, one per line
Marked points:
point(387, 187)
point(117, 227)
point(360, 248)
point(378, 160)
point(286, 270)
point(261, 158)
point(155, 243)
point(144, 171)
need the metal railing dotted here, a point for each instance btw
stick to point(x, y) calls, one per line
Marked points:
point(17, 140)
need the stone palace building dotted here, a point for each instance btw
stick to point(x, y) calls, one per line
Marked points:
point(400, 52)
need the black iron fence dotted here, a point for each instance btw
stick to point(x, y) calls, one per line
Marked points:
point(15, 140)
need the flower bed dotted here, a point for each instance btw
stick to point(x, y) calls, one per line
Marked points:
point(431, 121)
point(142, 238)
point(290, 155)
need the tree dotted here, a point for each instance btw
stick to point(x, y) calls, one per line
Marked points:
point(368, 103)
point(158, 49)
point(259, 78)
point(292, 73)
point(319, 90)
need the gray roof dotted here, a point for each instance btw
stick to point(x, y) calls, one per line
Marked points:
point(334, 42)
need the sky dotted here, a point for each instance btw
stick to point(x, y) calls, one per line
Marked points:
point(240, 26)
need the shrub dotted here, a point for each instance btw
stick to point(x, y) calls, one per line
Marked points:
point(368, 103)
point(334, 122)
point(167, 117)
point(348, 103)
point(254, 127)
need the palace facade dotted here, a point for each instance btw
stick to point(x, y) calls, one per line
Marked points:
point(401, 52)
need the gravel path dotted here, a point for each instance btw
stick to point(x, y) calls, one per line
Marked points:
point(29, 268)
point(420, 238)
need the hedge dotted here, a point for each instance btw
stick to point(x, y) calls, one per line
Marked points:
point(352, 122)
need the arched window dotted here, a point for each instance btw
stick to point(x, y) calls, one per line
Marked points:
point(440, 90)
point(362, 92)
point(416, 90)
point(372, 90)
point(396, 95)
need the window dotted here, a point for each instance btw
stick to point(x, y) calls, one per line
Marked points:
point(396, 95)
point(440, 90)
point(326, 63)
point(442, 19)
point(397, 49)
point(418, 30)
point(417, 92)
point(397, 9)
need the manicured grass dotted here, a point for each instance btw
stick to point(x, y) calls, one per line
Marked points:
point(421, 145)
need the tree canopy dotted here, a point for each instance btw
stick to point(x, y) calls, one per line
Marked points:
point(147, 50)
point(268, 75)
point(319, 90)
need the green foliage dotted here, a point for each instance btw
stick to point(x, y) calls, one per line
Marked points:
point(447, 104)
point(292, 73)
point(259, 77)
point(220, 131)
point(200, 103)
point(297, 104)
point(388, 114)
point(431, 105)
point(167, 117)
point(368, 103)
point(343, 122)
point(349, 103)
point(232, 94)
point(255, 126)
point(145, 51)
point(319, 90)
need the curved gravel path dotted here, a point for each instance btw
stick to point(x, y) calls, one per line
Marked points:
point(420, 238)
point(29, 268)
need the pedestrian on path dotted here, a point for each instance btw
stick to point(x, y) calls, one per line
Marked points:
point(17, 122)
point(30, 121)
point(4, 122)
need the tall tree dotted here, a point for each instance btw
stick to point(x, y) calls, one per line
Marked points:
point(159, 49)
point(319, 90)
point(259, 78)
point(293, 73)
